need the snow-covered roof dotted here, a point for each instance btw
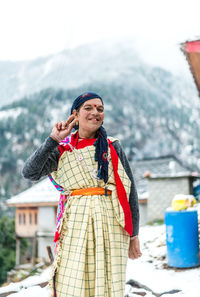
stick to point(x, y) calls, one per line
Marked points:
point(41, 193)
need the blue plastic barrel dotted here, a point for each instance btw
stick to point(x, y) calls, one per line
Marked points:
point(182, 238)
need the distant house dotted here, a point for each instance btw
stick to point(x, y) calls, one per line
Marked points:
point(157, 181)
point(35, 218)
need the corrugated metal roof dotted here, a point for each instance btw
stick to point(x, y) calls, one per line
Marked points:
point(162, 166)
point(42, 192)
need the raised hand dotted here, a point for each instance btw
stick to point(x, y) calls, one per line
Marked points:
point(63, 129)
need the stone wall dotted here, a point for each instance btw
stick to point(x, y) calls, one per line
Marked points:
point(161, 192)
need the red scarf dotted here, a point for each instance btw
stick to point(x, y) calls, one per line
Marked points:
point(121, 192)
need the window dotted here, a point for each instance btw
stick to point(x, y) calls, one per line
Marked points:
point(30, 218)
point(24, 219)
point(20, 219)
point(35, 218)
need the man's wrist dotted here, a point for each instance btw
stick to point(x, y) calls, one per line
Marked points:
point(133, 237)
point(55, 137)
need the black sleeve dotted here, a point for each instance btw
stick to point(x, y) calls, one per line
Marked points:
point(133, 198)
point(43, 161)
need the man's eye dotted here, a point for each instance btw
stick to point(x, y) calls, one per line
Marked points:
point(100, 110)
point(87, 108)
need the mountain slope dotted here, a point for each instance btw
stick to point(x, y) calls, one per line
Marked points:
point(150, 118)
point(98, 62)
point(151, 111)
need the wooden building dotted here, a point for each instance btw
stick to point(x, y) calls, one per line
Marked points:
point(35, 219)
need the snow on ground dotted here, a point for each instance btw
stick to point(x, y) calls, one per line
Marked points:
point(27, 284)
point(34, 291)
point(150, 270)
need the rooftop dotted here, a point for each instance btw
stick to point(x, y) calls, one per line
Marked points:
point(42, 192)
point(162, 166)
point(191, 49)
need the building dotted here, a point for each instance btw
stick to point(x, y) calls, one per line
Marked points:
point(191, 49)
point(35, 219)
point(158, 180)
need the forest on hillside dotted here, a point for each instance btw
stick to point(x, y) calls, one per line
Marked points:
point(149, 122)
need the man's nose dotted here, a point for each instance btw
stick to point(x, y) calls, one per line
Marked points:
point(95, 111)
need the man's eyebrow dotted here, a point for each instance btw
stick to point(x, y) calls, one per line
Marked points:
point(94, 104)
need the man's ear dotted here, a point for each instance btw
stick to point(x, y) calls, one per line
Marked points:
point(75, 113)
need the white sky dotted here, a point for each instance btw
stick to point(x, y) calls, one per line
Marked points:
point(32, 28)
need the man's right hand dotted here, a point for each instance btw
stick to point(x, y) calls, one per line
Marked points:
point(62, 129)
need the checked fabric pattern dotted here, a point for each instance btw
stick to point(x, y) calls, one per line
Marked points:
point(93, 248)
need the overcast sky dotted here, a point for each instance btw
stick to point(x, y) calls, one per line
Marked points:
point(33, 28)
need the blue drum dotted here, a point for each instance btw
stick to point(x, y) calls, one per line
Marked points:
point(182, 238)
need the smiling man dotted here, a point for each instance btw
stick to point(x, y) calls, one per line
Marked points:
point(98, 215)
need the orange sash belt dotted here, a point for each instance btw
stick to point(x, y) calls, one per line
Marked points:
point(91, 191)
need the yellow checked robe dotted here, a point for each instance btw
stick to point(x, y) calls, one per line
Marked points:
point(93, 247)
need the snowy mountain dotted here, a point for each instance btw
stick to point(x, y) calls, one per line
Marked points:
point(67, 69)
point(106, 62)
point(150, 110)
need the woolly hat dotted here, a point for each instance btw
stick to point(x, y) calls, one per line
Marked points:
point(82, 98)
